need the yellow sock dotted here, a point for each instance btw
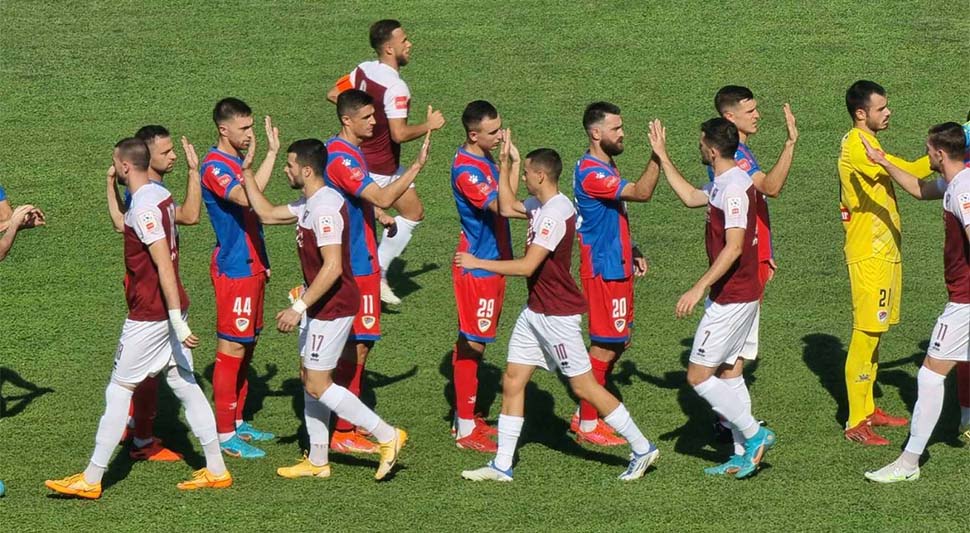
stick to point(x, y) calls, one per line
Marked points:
point(860, 374)
point(870, 396)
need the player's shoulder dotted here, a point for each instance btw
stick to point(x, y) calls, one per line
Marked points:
point(328, 199)
point(736, 181)
point(960, 184)
point(150, 196)
point(559, 206)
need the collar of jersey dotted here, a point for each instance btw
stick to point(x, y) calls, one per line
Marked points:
point(230, 156)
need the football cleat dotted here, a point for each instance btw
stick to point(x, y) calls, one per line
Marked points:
point(603, 435)
point(304, 469)
point(75, 486)
point(3, 489)
point(965, 432)
point(882, 418)
point(352, 442)
point(154, 451)
point(248, 433)
point(387, 295)
point(731, 467)
point(478, 441)
point(892, 473)
point(480, 423)
point(236, 447)
point(389, 451)
point(639, 464)
point(203, 479)
point(489, 472)
point(863, 434)
point(754, 451)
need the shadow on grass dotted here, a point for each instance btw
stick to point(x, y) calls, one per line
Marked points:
point(258, 385)
point(824, 355)
point(25, 392)
point(403, 281)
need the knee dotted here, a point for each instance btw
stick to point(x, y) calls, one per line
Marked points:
point(607, 352)
point(415, 213)
point(512, 384)
point(696, 377)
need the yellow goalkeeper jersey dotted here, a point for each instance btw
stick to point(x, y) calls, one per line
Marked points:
point(868, 202)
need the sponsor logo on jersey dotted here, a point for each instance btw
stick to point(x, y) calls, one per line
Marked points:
point(484, 324)
point(484, 188)
point(734, 206)
point(964, 201)
point(326, 224)
point(473, 179)
point(546, 226)
point(744, 164)
point(400, 102)
point(356, 173)
point(846, 215)
point(882, 316)
point(242, 324)
point(314, 356)
point(147, 222)
point(619, 324)
point(368, 321)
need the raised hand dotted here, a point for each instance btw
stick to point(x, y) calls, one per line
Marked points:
point(790, 123)
point(874, 154)
point(250, 152)
point(658, 138)
point(191, 156)
point(35, 217)
point(272, 135)
point(425, 149)
point(435, 120)
point(112, 175)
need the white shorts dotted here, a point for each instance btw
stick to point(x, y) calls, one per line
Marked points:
point(322, 342)
point(549, 342)
point(147, 348)
point(951, 335)
point(750, 350)
point(384, 180)
point(723, 332)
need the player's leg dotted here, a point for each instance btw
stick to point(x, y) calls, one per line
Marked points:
point(255, 289)
point(963, 393)
point(349, 374)
point(202, 422)
point(733, 376)
point(410, 213)
point(316, 415)
point(877, 416)
point(144, 445)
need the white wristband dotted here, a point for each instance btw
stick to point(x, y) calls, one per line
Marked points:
point(299, 306)
point(180, 326)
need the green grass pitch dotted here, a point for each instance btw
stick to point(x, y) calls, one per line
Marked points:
point(77, 76)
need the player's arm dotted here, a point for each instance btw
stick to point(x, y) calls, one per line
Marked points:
point(734, 238)
point(522, 267)
point(23, 217)
point(341, 85)
point(188, 213)
point(642, 190)
point(771, 183)
point(402, 132)
point(162, 257)
point(267, 212)
point(385, 197)
point(918, 188)
point(508, 180)
point(5, 210)
point(330, 272)
point(115, 204)
point(261, 177)
point(691, 196)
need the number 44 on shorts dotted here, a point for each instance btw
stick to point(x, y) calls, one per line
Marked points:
point(242, 306)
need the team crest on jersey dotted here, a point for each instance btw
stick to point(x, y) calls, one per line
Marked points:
point(242, 324)
point(368, 321)
point(619, 324)
point(734, 206)
point(545, 228)
point(147, 222)
point(326, 224)
point(484, 324)
point(882, 316)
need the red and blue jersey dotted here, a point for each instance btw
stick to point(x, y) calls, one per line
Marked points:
point(347, 173)
point(484, 233)
point(746, 161)
point(606, 249)
point(240, 251)
point(3, 194)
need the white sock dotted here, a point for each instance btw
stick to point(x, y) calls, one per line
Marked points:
point(317, 416)
point(223, 437)
point(964, 416)
point(117, 399)
point(926, 413)
point(464, 427)
point(509, 429)
point(392, 247)
point(727, 404)
point(741, 389)
point(239, 422)
point(351, 409)
point(621, 421)
point(199, 415)
point(587, 425)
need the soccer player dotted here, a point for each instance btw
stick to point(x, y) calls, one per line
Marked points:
point(872, 254)
point(609, 259)
point(144, 403)
point(732, 277)
point(950, 342)
point(382, 151)
point(156, 336)
point(347, 172)
point(239, 269)
point(479, 294)
point(330, 302)
point(547, 333)
point(963, 369)
point(739, 106)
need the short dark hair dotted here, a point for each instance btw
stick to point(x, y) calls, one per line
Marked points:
point(596, 112)
point(229, 108)
point(150, 132)
point(950, 138)
point(134, 150)
point(857, 96)
point(548, 160)
point(730, 96)
point(351, 100)
point(722, 134)
point(475, 112)
point(380, 32)
point(310, 153)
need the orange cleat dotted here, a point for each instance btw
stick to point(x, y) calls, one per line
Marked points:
point(603, 435)
point(882, 418)
point(75, 486)
point(154, 452)
point(863, 434)
point(352, 442)
point(203, 479)
point(478, 440)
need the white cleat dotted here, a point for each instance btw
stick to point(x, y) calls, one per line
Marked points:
point(639, 464)
point(489, 472)
point(893, 473)
point(387, 295)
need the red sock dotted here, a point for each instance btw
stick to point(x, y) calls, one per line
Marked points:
point(224, 391)
point(963, 384)
point(348, 374)
point(242, 384)
point(144, 407)
point(465, 367)
point(600, 370)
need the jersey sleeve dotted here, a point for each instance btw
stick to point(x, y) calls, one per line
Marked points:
point(746, 162)
point(961, 204)
point(346, 82)
point(397, 100)
point(603, 186)
point(296, 208)
point(475, 188)
point(148, 224)
point(919, 168)
point(328, 226)
point(550, 228)
point(348, 176)
point(3, 194)
point(736, 205)
point(219, 179)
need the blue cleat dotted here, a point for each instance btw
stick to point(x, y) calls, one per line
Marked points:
point(236, 447)
point(248, 433)
point(730, 467)
point(754, 451)
point(639, 464)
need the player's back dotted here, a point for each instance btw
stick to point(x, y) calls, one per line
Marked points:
point(956, 248)
point(474, 185)
point(552, 289)
point(732, 204)
point(604, 230)
point(150, 218)
point(392, 99)
point(347, 173)
point(240, 249)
